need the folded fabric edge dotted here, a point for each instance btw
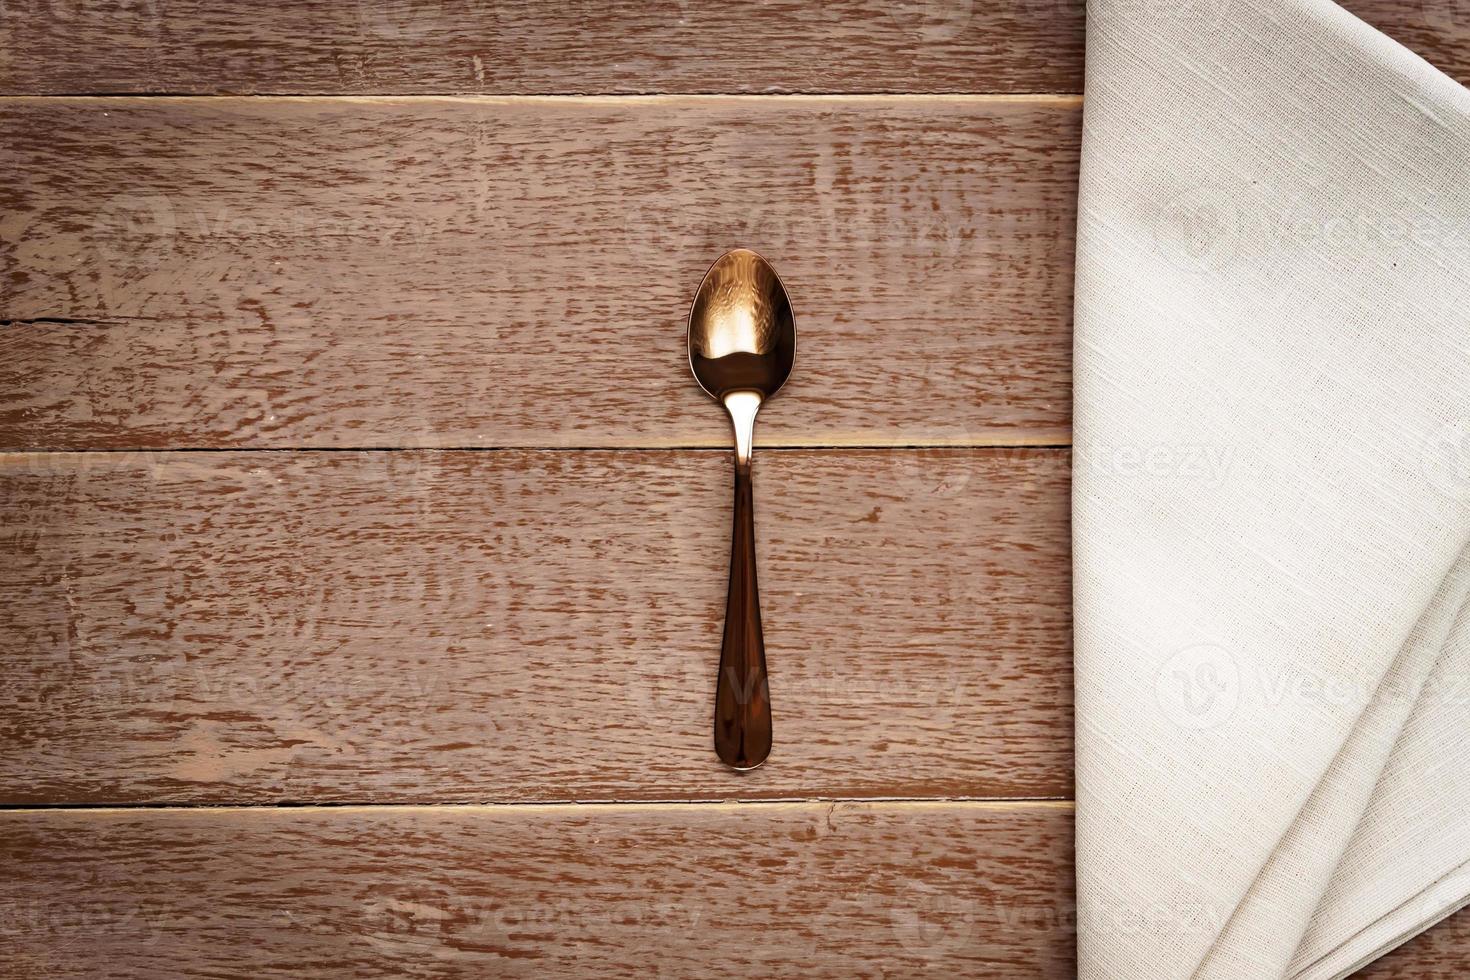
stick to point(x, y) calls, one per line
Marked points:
point(1414, 70)
point(1351, 923)
point(1432, 906)
point(1451, 892)
point(1310, 849)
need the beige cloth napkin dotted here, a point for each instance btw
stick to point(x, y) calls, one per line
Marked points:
point(1272, 492)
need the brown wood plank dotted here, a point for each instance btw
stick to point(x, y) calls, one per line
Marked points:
point(1441, 953)
point(823, 890)
point(840, 890)
point(452, 272)
point(534, 47)
point(592, 46)
point(523, 626)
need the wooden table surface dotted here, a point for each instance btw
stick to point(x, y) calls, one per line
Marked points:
point(364, 535)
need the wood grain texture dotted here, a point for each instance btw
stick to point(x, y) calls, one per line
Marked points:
point(783, 890)
point(366, 273)
point(589, 46)
point(533, 47)
point(512, 626)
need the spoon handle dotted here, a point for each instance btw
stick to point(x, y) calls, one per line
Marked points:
point(742, 697)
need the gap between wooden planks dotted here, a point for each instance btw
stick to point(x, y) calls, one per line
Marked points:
point(570, 806)
point(249, 272)
point(795, 99)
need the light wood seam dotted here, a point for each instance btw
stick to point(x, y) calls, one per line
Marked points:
point(980, 98)
point(987, 805)
point(774, 446)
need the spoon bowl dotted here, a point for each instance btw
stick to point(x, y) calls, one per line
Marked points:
point(741, 332)
point(742, 345)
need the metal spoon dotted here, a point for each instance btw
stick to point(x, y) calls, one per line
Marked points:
point(742, 343)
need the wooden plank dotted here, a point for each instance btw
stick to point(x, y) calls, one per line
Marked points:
point(465, 273)
point(524, 626)
point(525, 47)
point(840, 890)
point(592, 46)
point(818, 889)
point(533, 47)
point(823, 890)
